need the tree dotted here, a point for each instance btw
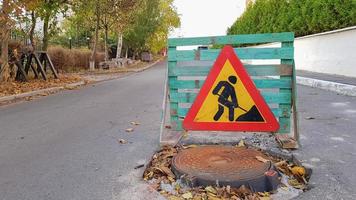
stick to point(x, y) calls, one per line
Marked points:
point(48, 11)
point(168, 20)
point(8, 11)
point(152, 26)
point(124, 12)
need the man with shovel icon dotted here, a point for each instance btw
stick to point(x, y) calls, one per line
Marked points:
point(227, 98)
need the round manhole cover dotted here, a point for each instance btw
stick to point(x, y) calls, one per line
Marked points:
point(220, 165)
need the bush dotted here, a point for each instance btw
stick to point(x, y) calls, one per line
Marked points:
point(72, 59)
point(303, 17)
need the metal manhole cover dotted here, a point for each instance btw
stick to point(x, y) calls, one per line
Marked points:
point(221, 165)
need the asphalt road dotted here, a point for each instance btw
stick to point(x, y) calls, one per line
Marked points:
point(65, 146)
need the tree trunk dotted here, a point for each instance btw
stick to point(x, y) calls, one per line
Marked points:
point(106, 43)
point(5, 68)
point(32, 30)
point(93, 55)
point(119, 45)
point(45, 32)
point(5, 37)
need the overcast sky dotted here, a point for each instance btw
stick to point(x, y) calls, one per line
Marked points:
point(207, 17)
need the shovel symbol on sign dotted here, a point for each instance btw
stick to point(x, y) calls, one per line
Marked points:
point(228, 92)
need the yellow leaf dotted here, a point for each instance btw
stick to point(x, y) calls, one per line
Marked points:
point(174, 198)
point(187, 195)
point(296, 184)
point(213, 198)
point(211, 189)
point(264, 198)
point(298, 171)
point(241, 143)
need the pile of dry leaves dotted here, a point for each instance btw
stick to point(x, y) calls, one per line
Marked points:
point(160, 176)
point(12, 88)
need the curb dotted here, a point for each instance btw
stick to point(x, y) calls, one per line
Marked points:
point(37, 92)
point(56, 89)
point(340, 88)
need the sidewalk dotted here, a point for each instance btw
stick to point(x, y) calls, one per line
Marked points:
point(93, 78)
point(340, 84)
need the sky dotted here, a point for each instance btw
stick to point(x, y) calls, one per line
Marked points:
point(206, 17)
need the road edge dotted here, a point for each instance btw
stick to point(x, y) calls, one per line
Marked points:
point(340, 88)
point(71, 85)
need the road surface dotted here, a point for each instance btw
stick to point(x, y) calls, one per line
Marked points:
point(65, 146)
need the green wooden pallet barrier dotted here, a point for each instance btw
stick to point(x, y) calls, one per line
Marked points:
point(188, 68)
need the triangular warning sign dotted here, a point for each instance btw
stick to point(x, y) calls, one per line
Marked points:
point(229, 100)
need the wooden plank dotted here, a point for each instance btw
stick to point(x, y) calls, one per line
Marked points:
point(21, 73)
point(260, 83)
point(39, 67)
point(173, 105)
point(182, 112)
point(232, 39)
point(253, 70)
point(285, 122)
point(270, 97)
point(54, 71)
point(243, 53)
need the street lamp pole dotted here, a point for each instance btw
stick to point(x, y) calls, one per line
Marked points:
point(88, 40)
point(70, 42)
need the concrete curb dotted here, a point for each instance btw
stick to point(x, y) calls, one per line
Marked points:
point(37, 92)
point(340, 88)
point(56, 89)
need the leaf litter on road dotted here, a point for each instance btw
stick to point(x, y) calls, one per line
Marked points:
point(129, 130)
point(159, 172)
point(135, 123)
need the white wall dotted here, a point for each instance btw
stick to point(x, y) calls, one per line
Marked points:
point(332, 52)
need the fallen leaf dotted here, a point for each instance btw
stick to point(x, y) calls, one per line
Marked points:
point(174, 198)
point(285, 188)
point(296, 184)
point(241, 143)
point(167, 171)
point(309, 118)
point(264, 198)
point(210, 189)
point(298, 171)
point(280, 163)
point(129, 130)
point(228, 189)
point(261, 159)
point(187, 195)
point(122, 141)
point(135, 123)
point(172, 180)
point(213, 198)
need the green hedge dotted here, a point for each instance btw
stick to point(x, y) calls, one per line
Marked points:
point(304, 17)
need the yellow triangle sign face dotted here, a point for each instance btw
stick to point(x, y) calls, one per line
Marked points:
point(229, 100)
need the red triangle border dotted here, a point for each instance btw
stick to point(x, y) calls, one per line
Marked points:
point(270, 125)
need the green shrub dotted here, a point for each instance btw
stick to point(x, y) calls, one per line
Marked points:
point(303, 17)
